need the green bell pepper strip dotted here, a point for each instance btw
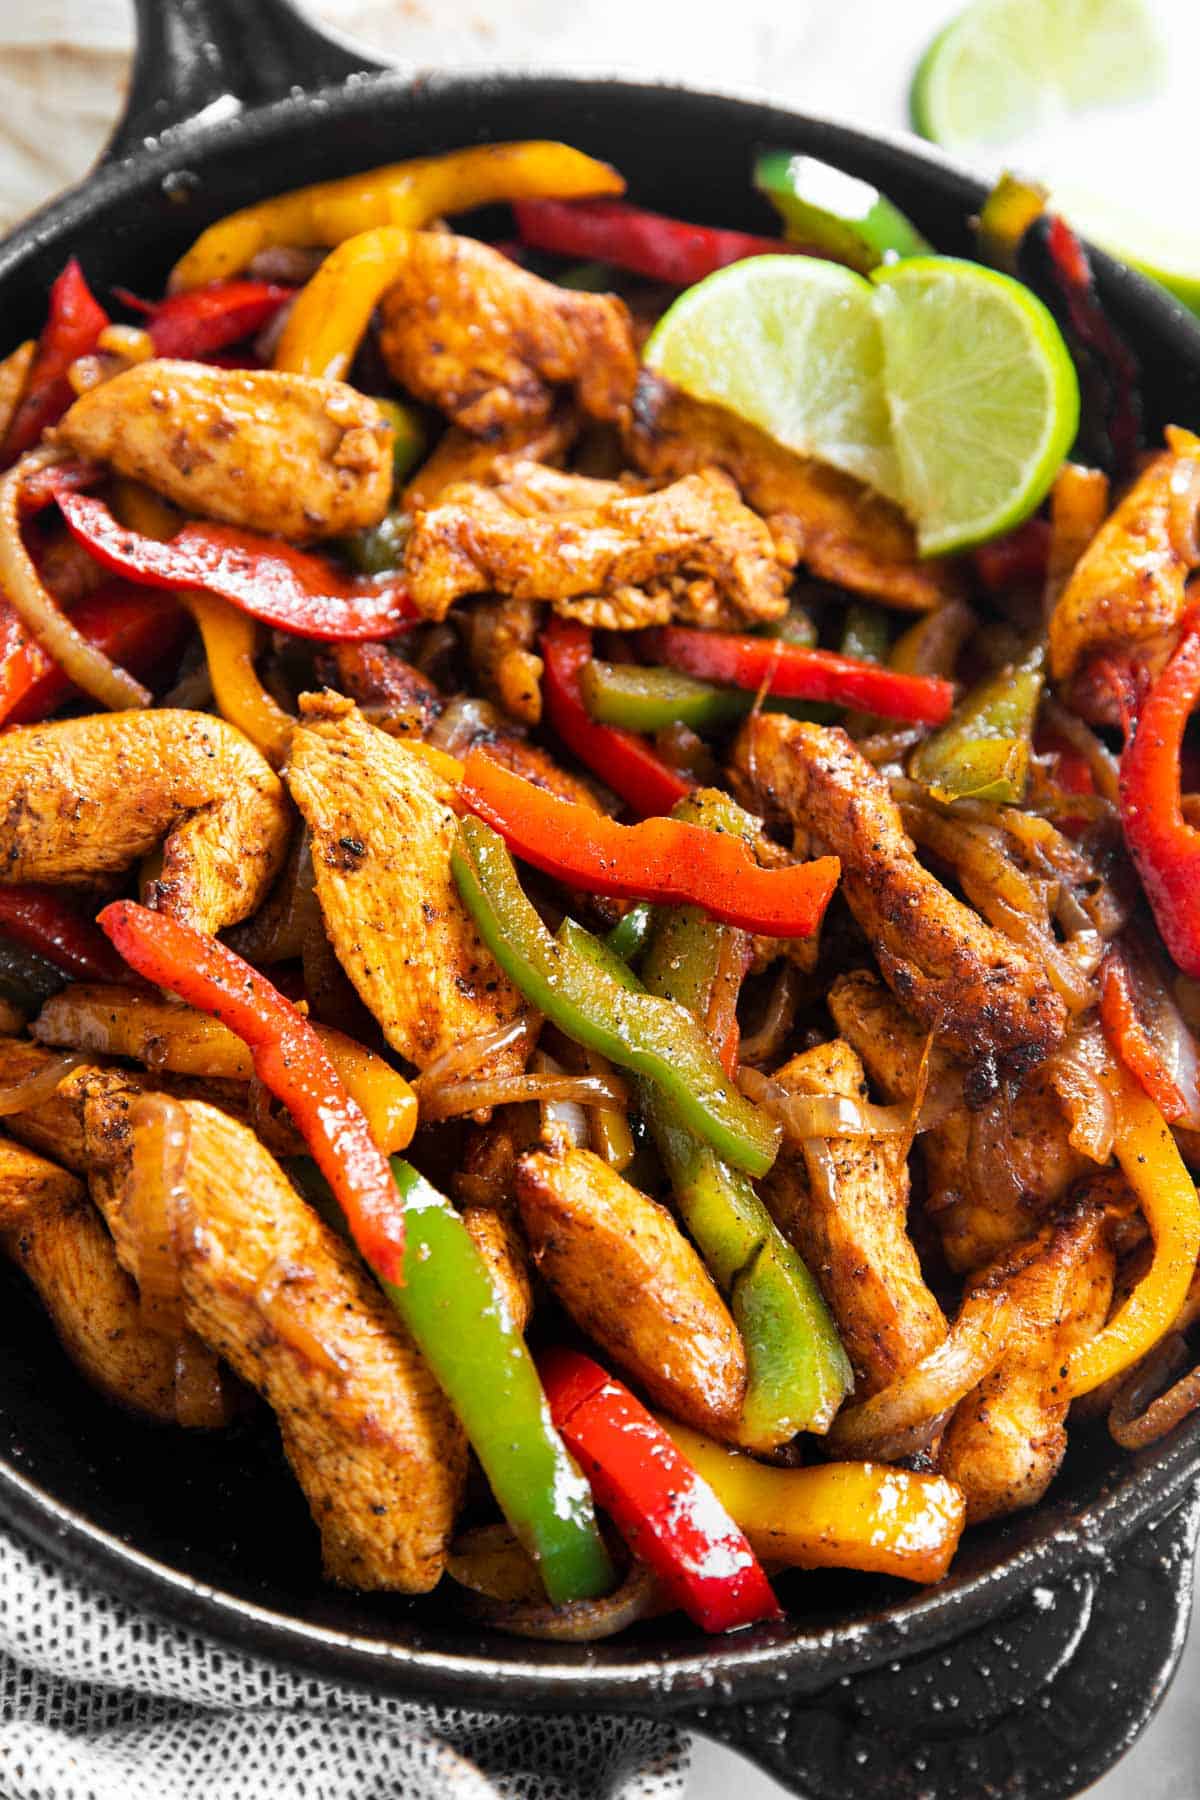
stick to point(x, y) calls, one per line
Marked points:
point(798, 1372)
point(478, 1357)
point(631, 933)
point(650, 699)
point(982, 752)
point(865, 634)
point(408, 436)
point(642, 1032)
point(379, 550)
point(834, 214)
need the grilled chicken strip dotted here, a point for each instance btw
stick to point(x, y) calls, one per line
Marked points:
point(457, 456)
point(466, 330)
point(843, 1202)
point(982, 996)
point(83, 799)
point(383, 829)
point(274, 1291)
point(598, 552)
point(52, 1231)
point(982, 1199)
point(501, 636)
point(1127, 592)
point(632, 1282)
point(291, 455)
point(837, 527)
point(390, 692)
point(1006, 1440)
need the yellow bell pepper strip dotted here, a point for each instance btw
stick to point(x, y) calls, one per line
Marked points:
point(671, 859)
point(122, 1021)
point(289, 1060)
point(572, 982)
point(666, 1513)
point(332, 311)
point(983, 752)
point(1154, 1169)
point(844, 1515)
point(230, 641)
point(798, 1372)
point(408, 194)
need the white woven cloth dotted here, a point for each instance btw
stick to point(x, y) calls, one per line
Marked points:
point(98, 1701)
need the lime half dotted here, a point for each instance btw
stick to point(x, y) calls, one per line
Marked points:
point(1007, 68)
point(982, 397)
point(792, 344)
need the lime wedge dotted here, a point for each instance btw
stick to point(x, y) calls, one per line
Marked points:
point(792, 344)
point(982, 396)
point(831, 211)
point(1007, 68)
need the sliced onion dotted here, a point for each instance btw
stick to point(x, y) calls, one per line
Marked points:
point(809, 1116)
point(31, 1090)
point(152, 1208)
point(1099, 758)
point(1142, 1411)
point(511, 1090)
point(582, 1621)
point(200, 1402)
point(765, 1044)
point(463, 721)
point(273, 1292)
point(974, 1345)
point(461, 1059)
point(1076, 1074)
point(87, 667)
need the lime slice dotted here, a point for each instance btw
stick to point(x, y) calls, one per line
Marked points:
point(1006, 68)
point(792, 344)
point(982, 395)
point(1169, 253)
point(831, 211)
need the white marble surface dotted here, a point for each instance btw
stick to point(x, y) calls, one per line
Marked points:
point(62, 62)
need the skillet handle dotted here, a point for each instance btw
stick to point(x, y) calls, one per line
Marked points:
point(196, 61)
point(1036, 1706)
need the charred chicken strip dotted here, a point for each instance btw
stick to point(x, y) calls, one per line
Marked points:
point(383, 828)
point(993, 1175)
point(285, 454)
point(1127, 593)
point(466, 330)
point(84, 799)
point(52, 1232)
point(1007, 1439)
point(631, 1281)
point(275, 1292)
point(844, 1204)
point(597, 552)
point(841, 530)
point(501, 638)
point(388, 691)
point(960, 978)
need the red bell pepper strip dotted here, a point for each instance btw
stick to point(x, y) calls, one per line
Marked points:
point(139, 631)
point(664, 860)
point(666, 1513)
point(1018, 558)
point(1164, 847)
point(646, 243)
point(292, 590)
point(198, 324)
point(289, 1060)
point(620, 758)
point(1072, 271)
point(1129, 1039)
point(73, 324)
point(42, 920)
point(796, 672)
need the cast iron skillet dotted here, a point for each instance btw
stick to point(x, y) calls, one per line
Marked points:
point(1039, 1660)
